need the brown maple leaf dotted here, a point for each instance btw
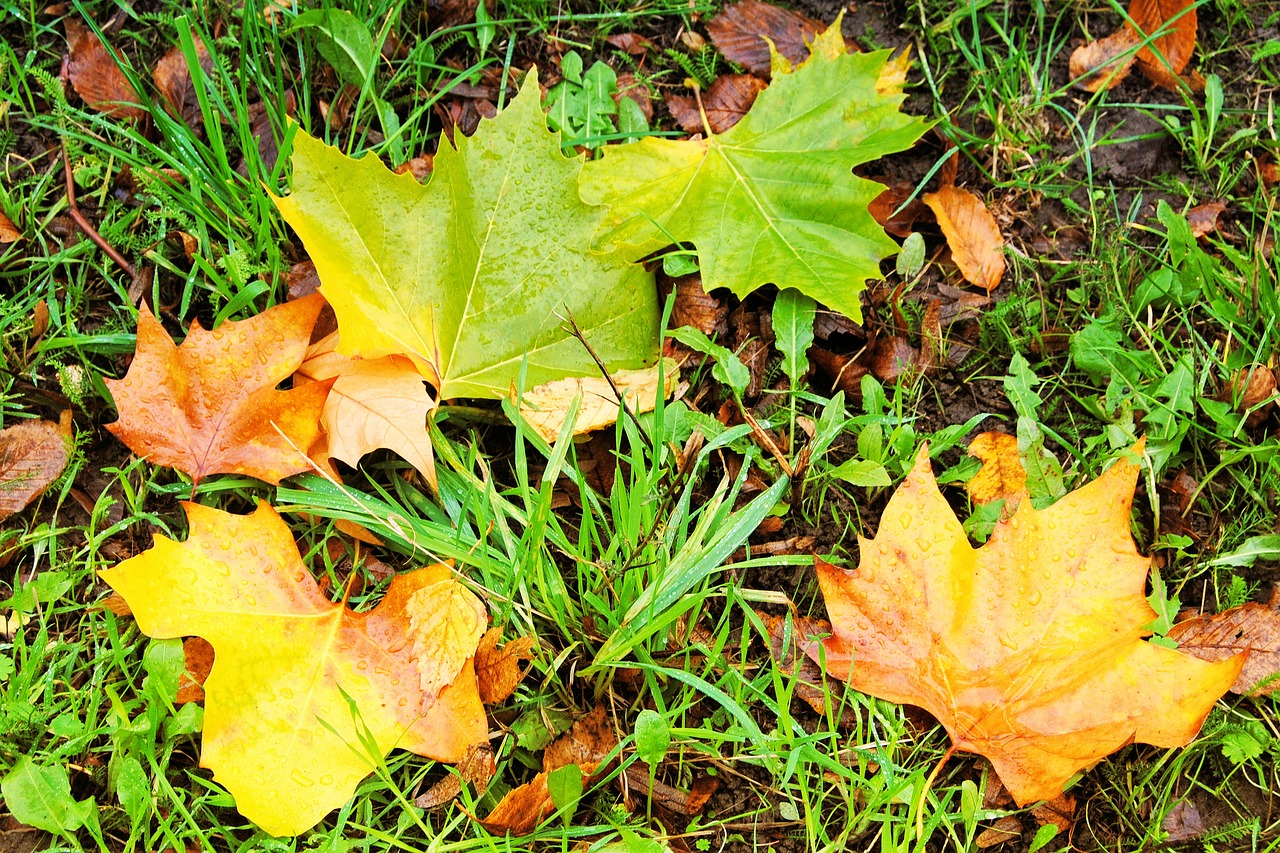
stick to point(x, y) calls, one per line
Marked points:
point(210, 406)
point(1030, 650)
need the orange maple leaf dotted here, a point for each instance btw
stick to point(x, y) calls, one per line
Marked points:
point(1029, 650)
point(302, 689)
point(210, 406)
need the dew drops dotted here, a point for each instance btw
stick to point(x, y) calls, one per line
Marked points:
point(301, 778)
point(1035, 597)
point(326, 779)
point(905, 520)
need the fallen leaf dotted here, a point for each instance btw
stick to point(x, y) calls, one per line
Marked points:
point(631, 43)
point(471, 275)
point(1059, 812)
point(476, 767)
point(173, 81)
point(210, 406)
point(1203, 218)
point(774, 199)
point(1005, 829)
point(586, 743)
point(95, 75)
point(1183, 823)
point(498, 670)
point(694, 307)
point(446, 622)
point(546, 407)
point(523, 808)
point(9, 232)
point(787, 638)
point(1104, 63)
point(1249, 388)
point(972, 234)
point(725, 102)
point(32, 456)
point(1030, 650)
point(298, 683)
point(895, 210)
point(1001, 476)
point(372, 404)
point(1252, 628)
point(740, 29)
point(198, 656)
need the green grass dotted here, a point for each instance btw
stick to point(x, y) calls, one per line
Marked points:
point(630, 596)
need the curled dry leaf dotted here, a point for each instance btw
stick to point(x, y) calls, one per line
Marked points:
point(9, 232)
point(210, 406)
point(1106, 62)
point(1102, 64)
point(297, 679)
point(476, 767)
point(740, 29)
point(1001, 476)
point(1030, 650)
point(32, 456)
point(373, 403)
point(1252, 628)
point(695, 307)
point(173, 81)
point(546, 407)
point(972, 234)
point(885, 209)
point(498, 670)
point(1203, 218)
point(725, 102)
point(95, 75)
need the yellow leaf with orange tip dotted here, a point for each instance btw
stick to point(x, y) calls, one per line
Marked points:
point(1030, 650)
point(299, 683)
point(1001, 476)
point(374, 403)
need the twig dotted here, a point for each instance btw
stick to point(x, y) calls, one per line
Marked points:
point(765, 439)
point(84, 225)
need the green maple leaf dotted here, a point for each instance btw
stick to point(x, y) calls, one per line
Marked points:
point(477, 271)
point(773, 199)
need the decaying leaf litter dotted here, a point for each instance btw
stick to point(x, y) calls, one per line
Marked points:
point(413, 357)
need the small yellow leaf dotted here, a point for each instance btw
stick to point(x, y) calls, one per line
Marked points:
point(546, 407)
point(446, 622)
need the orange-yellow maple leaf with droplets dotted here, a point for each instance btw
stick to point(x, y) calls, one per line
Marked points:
point(1029, 650)
point(299, 683)
point(210, 406)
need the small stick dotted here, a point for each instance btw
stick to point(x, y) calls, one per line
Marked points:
point(84, 225)
point(769, 444)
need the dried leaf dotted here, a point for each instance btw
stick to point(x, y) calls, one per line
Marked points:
point(446, 622)
point(198, 656)
point(1030, 650)
point(1107, 61)
point(1104, 63)
point(725, 102)
point(546, 407)
point(476, 767)
point(32, 456)
point(210, 406)
point(695, 307)
point(586, 744)
point(9, 232)
point(372, 404)
point(173, 81)
point(1252, 628)
point(884, 208)
point(1005, 829)
point(740, 29)
point(1001, 476)
point(1059, 811)
point(95, 76)
point(298, 682)
point(1203, 218)
point(498, 670)
point(972, 234)
point(523, 808)
point(631, 43)
point(812, 685)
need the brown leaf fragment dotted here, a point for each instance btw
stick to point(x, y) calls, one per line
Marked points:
point(844, 372)
point(32, 456)
point(787, 640)
point(9, 232)
point(1059, 811)
point(451, 13)
point(1005, 829)
point(1163, 60)
point(420, 167)
point(1248, 389)
point(1203, 218)
point(972, 234)
point(686, 803)
point(95, 75)
point(1104, 63)
point(884, 209)
point(739, 31)
point(198, 654)
point(586, 743)
point(631, 43)
point(1252, 628)
point(173, 81)
point(629, 86)
point(893, 356)
point(695, 307)
point(1183, 823)
point(499, 669)
point(523, 808)
point(726, 101)
point(476, 768)
point(1001, 476)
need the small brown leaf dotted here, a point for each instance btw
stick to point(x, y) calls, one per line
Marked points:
point(1251, 627)
point(884, 208)
point(726, 101)
point(1005, 829)
point(812, 685)
point(739, 31)
point(32, 456)
point(499, 669)
point(630, 43)
point(1001, 476)
point(1203, 218)
point(585, 744)
point(523, 808)
point(198, 654)
point(1105, 62)
point(173, 80)
point(1059, 811)
point(9, 232)
point(1183, 823)
point(695, 307)
point(971, 233)
point(476, 767)
point(95, 75)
